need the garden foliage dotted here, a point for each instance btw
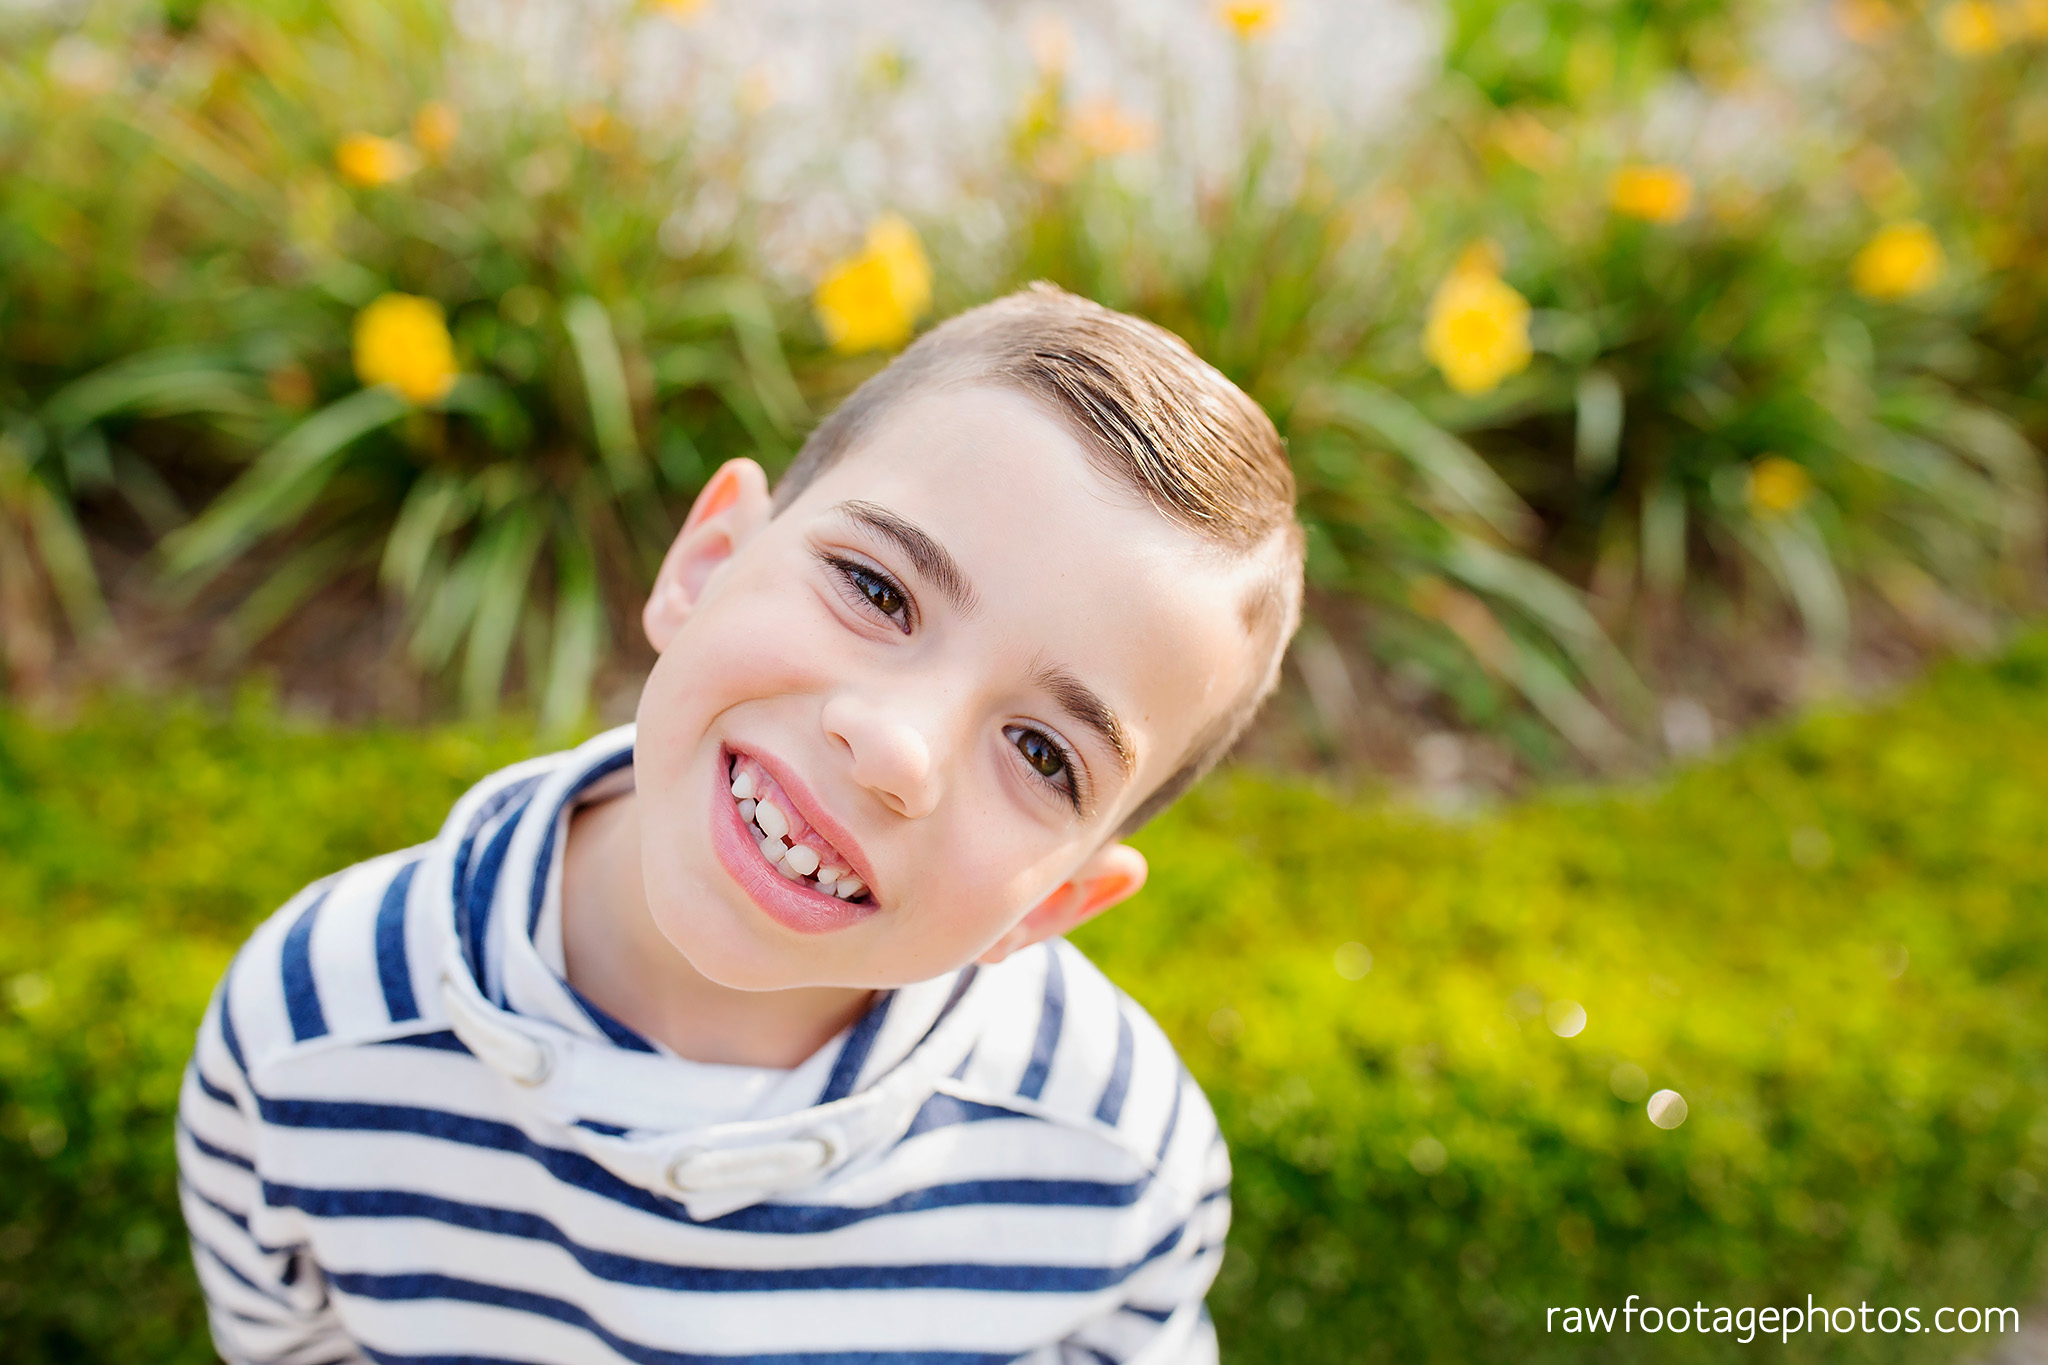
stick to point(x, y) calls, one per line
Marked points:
point(1625, 316)
point(1430, 1043)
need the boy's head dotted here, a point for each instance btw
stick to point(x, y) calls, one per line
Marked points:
point(1011, 599)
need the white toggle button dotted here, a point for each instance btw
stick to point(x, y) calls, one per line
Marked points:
point(771, 1165)
point(541, 1065)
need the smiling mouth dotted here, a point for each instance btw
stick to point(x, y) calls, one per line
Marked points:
point(785, 838)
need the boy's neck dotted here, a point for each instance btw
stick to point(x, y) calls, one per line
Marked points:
point(619, 960)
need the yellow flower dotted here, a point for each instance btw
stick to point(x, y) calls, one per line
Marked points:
point(682, 11)
point(1478, 329)
point(2030, 17)
point(1653, 193)
point(1902, 259)
point(1103, 128)
point(1865, 21)
point(1249, 18)
point(435, 127)
point(402, 340)
point(1777, 486)
point(1969, 28)
point(366, 160)
point(874, 299)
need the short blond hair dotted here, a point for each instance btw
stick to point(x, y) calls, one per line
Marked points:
point(1155, 418)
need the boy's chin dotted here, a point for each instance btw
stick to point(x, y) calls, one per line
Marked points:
point(728, 956)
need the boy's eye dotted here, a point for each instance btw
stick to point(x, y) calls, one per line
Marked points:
point(881, 593)
point(1049, 759)
point(866, 587)
point(1039, 752)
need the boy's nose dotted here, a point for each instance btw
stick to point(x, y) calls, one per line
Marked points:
point(891, 755)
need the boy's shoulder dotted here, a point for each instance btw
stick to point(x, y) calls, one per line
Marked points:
point(356, 956)
point(1062, 1043)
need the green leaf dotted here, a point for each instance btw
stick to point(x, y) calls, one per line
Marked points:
point(434, 501)
point(604, 384)
point(1452, 470)
point(1792, 548)
point(494, 406)
point(1597, 441)
point(64, 558)
point(450, 610)
point(157, 383)
point(1560, 702)
point(1550, 602)
point(285, 588)
point(277, 489)
point(1664, 538)
point(753, 323)
point(579, 637)
point(507, 552)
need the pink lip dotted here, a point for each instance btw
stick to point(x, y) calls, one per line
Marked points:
point(786, 902)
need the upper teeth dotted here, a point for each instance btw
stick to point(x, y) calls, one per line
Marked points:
point(770, 818)
point(772, 826)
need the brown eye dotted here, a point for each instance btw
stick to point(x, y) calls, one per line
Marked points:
point(1040, 752)
point(878, 591)
point(881, 594)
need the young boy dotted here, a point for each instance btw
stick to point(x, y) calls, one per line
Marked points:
point(746, 1033)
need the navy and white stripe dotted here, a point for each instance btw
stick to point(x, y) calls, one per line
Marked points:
point(363, 1179)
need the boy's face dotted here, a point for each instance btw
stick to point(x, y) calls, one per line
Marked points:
point(935, 652)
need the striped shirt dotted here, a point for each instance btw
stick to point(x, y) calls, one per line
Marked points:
point(405, 1137)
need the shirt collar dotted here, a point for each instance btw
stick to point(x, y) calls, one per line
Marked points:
point(507, 902)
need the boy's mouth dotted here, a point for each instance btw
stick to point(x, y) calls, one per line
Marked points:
point(786, 840)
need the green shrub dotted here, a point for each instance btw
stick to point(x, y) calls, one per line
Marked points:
point(1831, 944)
point(135, 852)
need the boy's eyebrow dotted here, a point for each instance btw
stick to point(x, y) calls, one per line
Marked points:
point(1078, 700)
point(928, 556)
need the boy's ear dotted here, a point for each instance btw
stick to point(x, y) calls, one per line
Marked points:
point(733, 505)
point(1114, 873)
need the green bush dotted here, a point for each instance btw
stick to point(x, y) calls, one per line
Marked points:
point(1831, 944)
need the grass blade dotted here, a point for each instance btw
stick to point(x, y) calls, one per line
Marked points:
point(159, 383)
point(279, 486)
point(64, 557)
point(425, 515)
point(1551, 603)
point(284, 589)
point(1597, 441)
point(1453, 471)
point(753, 323)
point(579, 638)
point(1792, 547)
point(604, 384)
point(507, 558)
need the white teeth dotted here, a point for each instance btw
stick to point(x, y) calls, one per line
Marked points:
point(743, 786)
point(804, 859)
point(829, 875)
point(774, 850)
point(747, 808)
point(770, 818)
point(786, 870)
point(849, 887)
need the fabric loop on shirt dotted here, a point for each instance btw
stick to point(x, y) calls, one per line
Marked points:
point(724, 1166)
point(526, 1060)
point(773, 1165)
